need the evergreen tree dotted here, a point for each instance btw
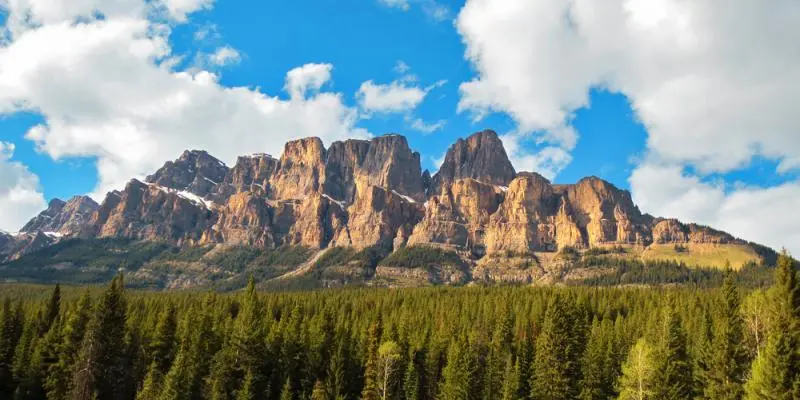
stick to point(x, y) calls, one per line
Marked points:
point(11, 327)
point(52, 311)
point(596, 373)
point(162, 347)
point(459, 373)
point(58, 379)
point(775, 371)
point(559, 348)
point(638, 373)
point(411, 384)
point(319, 392)
point(371, 389)
point(510, 380)
point(100, 371)
point(153, 383)
point(248, 390)
point(286, 392)
point(728, 358)
point(674, 367)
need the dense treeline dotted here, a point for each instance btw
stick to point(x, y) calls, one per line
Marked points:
point(406, 344)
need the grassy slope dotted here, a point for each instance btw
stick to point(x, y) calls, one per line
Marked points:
point(704, 255)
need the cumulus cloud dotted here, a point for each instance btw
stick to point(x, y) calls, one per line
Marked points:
point(763, 215)
point(225, 55)
point(20, 194)
point(392, 97)
point(714, 82)
point(401, 95)
point(418, 124)
point(106, 89)
point(309, 77)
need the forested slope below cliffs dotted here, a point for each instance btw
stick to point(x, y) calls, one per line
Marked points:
point(360, 211)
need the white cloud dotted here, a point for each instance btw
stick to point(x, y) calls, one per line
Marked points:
point(400, 4)
point(767, 216)
point(225, 55)
point(427, 128)
point(393, 97)
point(179, 9)
point(309, 77)
point(548, 161)
point(401, 67)
point(106, 89)
point(20, 194)
point(714, 82)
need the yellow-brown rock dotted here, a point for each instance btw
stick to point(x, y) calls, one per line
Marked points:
point(245, 220)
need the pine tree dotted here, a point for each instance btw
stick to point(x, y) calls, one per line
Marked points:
point(52, 311)
point(638, 373)
point(152, 386)
point(371, 373)
point(100, 371)
point(510, 380)
point(674, 367)
point(58, 378)
point(11, 327)
point(247, 391)
point(319, 392)
point(728, 358)
point(286, 392)
point(411, 384)
point(458, 373)
point(559, 348)
point(596, 383)
point(162, 347)
point(775, 371)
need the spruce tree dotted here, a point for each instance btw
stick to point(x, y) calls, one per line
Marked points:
point(458, 373)
point(775, 372)
point(101, 370)
point(162, 347)
point(728, 357)
point(58, 378)
point(371, 373)
point(510, 380)
point(286, 392)
point(152, 386)
point(596, 383)
point(674, 366)
point(559, 349)
point(11, 327)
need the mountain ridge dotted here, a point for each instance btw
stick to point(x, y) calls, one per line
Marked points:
point(371, 193)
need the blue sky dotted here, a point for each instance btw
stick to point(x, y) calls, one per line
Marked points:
point(603, 92)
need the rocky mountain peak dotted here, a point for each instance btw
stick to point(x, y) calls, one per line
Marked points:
point(250, 174)
point(61, 217)
point(480, 156)
point(301, 169)
point(194, 171)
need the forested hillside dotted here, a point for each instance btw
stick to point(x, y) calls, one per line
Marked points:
point(404, 344)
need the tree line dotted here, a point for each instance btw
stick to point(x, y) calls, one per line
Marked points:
point(406, 344)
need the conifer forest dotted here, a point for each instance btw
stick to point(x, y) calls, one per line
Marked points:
point(512, 342)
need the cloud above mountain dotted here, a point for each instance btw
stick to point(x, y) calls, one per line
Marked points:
point(715, 83)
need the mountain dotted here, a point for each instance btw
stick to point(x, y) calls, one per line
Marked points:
point(361, 210)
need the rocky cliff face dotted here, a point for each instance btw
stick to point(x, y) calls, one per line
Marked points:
point(195, 171)
point(250, 174)
point(481, 157)
point(63, 218)
point(362, 193)
point(151, 212)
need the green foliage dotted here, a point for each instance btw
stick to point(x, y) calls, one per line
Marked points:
point(635, 272)
point(432, 343)
point(421, 257)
